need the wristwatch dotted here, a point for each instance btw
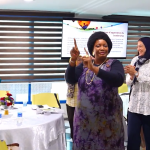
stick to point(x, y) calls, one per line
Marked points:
point(136, 74)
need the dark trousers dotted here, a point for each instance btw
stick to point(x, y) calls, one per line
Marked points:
point(135, 122)
point(70, 112)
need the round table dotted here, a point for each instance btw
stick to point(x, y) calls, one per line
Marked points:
point(37, 131)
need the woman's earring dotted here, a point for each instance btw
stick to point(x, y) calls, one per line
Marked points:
point(93, 53)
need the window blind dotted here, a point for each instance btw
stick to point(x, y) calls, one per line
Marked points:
point(30, 46)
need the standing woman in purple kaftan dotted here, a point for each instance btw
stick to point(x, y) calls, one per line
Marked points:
point(98, 115)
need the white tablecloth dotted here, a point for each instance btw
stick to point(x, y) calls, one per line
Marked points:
point(37, 131)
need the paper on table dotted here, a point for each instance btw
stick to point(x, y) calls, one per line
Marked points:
point(34, 107)
point(57, 110)
point(47, 109)
point(45, 112)
point(53, 110)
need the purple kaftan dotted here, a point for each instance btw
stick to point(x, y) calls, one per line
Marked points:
point(98, 116)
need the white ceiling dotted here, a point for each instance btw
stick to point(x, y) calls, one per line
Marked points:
point(95, 8)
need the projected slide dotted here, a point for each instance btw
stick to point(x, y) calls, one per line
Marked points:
point(81, 30)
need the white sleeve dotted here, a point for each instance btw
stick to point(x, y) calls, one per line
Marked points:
point(144, 74)
point(128, 80)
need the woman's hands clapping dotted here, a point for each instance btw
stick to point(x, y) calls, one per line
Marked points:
point(130, 70)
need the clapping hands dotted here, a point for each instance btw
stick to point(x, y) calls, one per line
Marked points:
point(130, 70)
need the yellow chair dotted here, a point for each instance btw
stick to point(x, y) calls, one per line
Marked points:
point(3, 146)
point(123, 88)
point(3, 93)
point(50, 99)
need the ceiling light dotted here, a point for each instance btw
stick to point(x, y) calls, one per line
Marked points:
point(28, 0)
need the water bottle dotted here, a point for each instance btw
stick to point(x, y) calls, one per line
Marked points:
point(24, 103)
point(0, 118)
point(19, 118)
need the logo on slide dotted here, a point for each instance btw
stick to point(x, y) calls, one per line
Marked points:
point(84, 24)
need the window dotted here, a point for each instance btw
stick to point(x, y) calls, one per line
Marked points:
point(30, 47)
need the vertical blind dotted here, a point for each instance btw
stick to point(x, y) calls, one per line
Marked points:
point(30, 47)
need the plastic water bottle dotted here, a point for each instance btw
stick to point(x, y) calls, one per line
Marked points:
point(19, 118)
point(0, 118)
point(24, 103)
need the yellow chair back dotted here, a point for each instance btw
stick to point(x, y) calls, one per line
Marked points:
point(46, 99)
point(3, 93)
point(123, 88)
point(3, 145)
